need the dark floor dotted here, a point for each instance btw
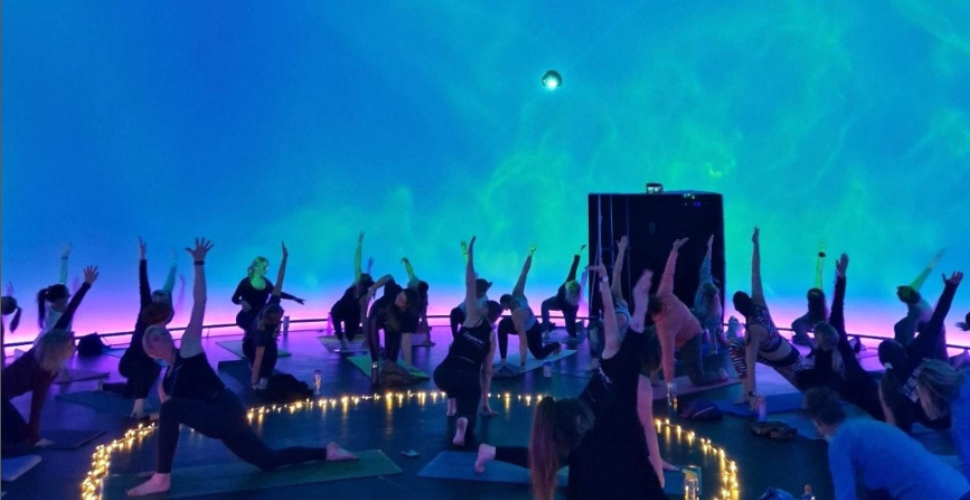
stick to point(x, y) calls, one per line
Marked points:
point(422, 427)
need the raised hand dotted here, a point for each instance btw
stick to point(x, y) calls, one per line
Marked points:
point(360, 237)
point(623, 243)
point(641, 290)
point(581, 248)
point(710, 241)
point(405, 260)
point(142, 248)
point(755, 237)
point(90, 274)
point(841, 265)
point(954, 278)
point(532, 249)
point(286, 253)
point(202, 247)
point(464, 248)
point(471, 243)
point(67, 251)
point(679, 243)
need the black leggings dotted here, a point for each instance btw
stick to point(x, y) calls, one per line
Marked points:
point(141, 373)
point(392, 340)
point(533, 336)
point(270, 355)
point(223, 418)
point(568, 312)
point(461, 382)
point(347, 316)
point(14, 430)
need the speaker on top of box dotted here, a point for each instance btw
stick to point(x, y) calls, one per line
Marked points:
point(652, 222)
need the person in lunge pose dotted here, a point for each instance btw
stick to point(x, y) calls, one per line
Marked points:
point(345, 314)
point(566, 299)
point(193, 395)
point(259, 341)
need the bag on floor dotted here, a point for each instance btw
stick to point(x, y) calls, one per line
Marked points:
point(285, 388)
point(90, 345)
point(701, 409)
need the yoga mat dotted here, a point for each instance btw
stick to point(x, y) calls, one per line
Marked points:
point(108, 402)
point(240, 476)
point(69, 375)
point(530, 362)
point(563, 337)
point(69, 439)
point(362, 362)
point(778, 403)
point(235, 347)
point(239, 369)
point(333, 345)
point(461, 466)
point(684, 386)
point(14, 467)
point(804, 426)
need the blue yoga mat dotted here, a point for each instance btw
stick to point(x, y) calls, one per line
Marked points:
point(15, 467)
point(778, 403)
point(461, 466)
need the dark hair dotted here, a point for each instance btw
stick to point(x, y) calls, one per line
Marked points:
point(654, 306)
point(271, 309)
point(9, 306)
point(482, 286)
point(365, 280)
point(908, 294)
point(824, 406)
point(744, 304)
point(494, 311)
point(892, 355)
point(817, 308)
point(52, 293)
point(156, 313)
point(558, 427)
point(505, 300)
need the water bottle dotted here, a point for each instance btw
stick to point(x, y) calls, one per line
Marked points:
point(547, 369)
point(672, 396)
point(317, 381)
point(808, 493)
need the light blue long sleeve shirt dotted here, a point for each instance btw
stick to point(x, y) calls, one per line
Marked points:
point(960, 413)
point(885, 458)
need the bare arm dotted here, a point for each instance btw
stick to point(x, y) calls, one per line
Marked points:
point(667, 280)
point(820, 265)
point(472, 314)
point(918, 282)
point(172, 271)
point(519, 289)
point(617, 285)
point(278, 288)
point(64, 257)
point(757, 292)
point(358, 256)
point(192, 337)
point(645, 414)
point(641, 301)
point(611, 334)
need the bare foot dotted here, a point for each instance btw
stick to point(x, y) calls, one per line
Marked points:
point(157, 484)
point(452, 408)
point(460, 427)
point(486, 453)
point(337, 454)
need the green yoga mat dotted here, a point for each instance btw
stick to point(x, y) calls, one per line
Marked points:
point(242, 477)
point(530, 362)
point(235, 347)
point(362, 362)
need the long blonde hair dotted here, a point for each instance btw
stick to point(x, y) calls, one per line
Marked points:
point(250, 271)
point(827, 338)
point(52, 349)
point(940, 383)
point(558, 427)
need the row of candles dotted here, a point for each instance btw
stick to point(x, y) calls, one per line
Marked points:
point(101, 460)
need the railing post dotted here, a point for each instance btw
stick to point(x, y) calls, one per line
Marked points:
point(286, 326)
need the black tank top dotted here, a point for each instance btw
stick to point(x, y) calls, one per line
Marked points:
point(192, 378)
point(471, 345)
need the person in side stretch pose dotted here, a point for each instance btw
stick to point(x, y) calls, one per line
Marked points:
point(193, 395)
point(345, 314)
point(566, 299)
point(523, 322)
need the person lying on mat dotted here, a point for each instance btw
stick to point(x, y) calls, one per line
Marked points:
point(761, 343)
point(566, 299)
point(836, 365)
point(34, 372)
point(193, 395)
point(345, 313)
point(707, 300)
point(466, 373)
point(678, 328)
point(139, 370)
point(897, 389)
point(606, 435)
point(880, 456)
point(523, 322)
point(259, 341)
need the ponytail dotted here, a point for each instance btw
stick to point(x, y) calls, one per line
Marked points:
point(41, 308)
point(543, 456)
point(15, 322)
point(52, 293)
